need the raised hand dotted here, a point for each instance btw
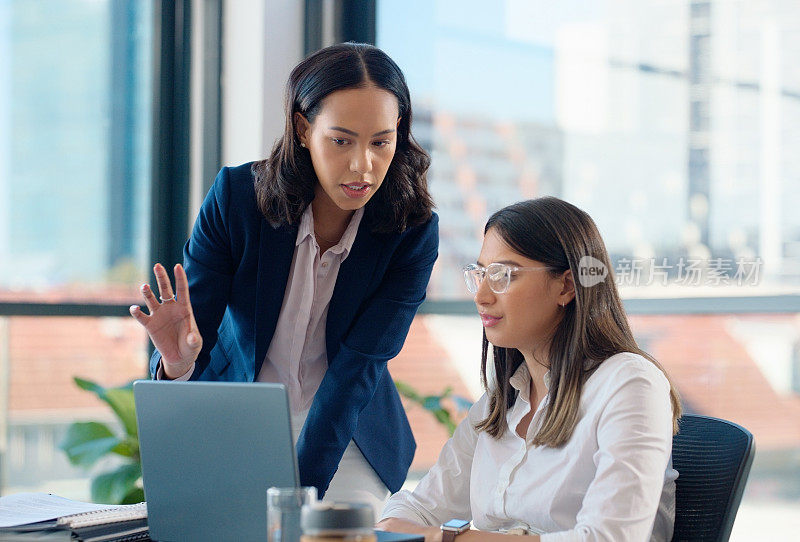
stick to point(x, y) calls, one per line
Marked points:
point(170, 324)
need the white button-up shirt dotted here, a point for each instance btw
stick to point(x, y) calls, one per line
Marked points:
point(612, 481)
point(297, 356)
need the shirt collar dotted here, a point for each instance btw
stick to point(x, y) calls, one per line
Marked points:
point(521, 381)
point(345, 244)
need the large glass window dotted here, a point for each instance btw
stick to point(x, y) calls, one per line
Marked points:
point(75, 159)
point(75, 162)
point(673, 125)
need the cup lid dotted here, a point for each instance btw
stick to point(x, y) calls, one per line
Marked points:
point(326, 516)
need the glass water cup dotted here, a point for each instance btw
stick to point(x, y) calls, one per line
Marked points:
point(283, 511)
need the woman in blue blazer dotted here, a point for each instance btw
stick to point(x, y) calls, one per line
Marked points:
point(347, 155)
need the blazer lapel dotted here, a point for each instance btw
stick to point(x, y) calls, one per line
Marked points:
point(274, 263)
point(347, 297)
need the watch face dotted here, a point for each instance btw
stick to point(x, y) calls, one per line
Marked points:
point(456, 524)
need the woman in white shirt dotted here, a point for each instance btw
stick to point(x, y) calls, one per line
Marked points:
point(572, 439)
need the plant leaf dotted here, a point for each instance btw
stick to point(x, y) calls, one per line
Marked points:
point(128, 386)
point(443, 416)
point(88, 385)
point(462, 404)
point(120, 400)
point(407, 391)
point(135, 495)
point(86, 442)
point(113, 487)
point(129, 447)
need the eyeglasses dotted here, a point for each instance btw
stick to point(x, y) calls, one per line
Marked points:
point(499, 275)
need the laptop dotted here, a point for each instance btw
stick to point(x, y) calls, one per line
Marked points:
point(209, 452)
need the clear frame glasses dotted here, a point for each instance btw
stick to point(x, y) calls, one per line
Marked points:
point(498, 274)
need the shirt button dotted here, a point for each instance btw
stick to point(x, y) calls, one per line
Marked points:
point(324, 264)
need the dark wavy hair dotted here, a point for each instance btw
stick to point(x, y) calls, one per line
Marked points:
point(285, 182)
point(594, 326)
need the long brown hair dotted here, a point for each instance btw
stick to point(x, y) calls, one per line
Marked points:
point(285, 182)
point(594, 326)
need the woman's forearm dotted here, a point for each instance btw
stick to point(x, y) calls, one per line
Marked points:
point(434, 534)
point(475, 536)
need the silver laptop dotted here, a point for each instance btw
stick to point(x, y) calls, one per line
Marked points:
point(209, 452)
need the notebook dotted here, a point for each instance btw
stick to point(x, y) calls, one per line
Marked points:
point(124, 523)
point(46, 517)
point(105, 516)
point(209, 452)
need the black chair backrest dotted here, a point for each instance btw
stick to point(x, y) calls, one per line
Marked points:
point(713, 459)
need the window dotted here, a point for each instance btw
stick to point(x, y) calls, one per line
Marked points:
point(75, 170)
point(75, 102)
point(672, 124)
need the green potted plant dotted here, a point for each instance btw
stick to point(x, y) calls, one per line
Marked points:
point(87, 442)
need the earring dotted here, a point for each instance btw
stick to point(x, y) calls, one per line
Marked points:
point(303, 145)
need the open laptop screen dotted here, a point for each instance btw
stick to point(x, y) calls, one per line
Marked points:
point(209, 452)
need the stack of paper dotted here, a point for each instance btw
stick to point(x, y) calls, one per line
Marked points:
point(44, 517)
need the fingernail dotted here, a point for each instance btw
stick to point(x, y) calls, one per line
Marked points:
point(133, 308)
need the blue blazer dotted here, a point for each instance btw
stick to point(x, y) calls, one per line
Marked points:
point(238, 265)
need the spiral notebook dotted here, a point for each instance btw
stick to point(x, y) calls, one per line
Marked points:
point(124, 523)
point(123, 513)
point(45, 517)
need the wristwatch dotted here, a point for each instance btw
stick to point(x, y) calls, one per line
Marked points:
point(453, 528)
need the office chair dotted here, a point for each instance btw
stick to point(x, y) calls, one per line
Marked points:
point(713, 459)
